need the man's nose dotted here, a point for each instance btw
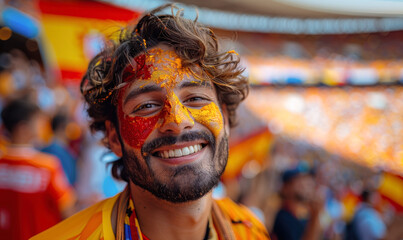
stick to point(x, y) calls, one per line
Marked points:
point(177, 117)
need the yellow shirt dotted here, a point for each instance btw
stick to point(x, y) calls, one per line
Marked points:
point(95, 223)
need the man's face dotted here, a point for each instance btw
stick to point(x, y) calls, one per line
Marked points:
point(302, 188)
point(173, 134)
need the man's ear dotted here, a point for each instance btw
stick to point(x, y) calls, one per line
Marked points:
point(113, 138)
point(224, 110)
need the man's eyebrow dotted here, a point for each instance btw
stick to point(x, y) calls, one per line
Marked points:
point(185, 84)
point(141, 90)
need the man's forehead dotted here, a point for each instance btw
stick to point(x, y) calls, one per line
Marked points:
point(160, 66)
point(155, 58)
point(144, 86)
point(163, 56)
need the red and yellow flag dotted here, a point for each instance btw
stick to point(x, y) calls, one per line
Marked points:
point(391, 189)
point(73, 32)
point(253, 147)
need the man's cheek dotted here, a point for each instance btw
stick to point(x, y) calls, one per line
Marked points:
point(210, 116)
point(135, 130)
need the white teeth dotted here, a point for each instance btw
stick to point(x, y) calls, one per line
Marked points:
point(191, 149)
point(185, 151)
point(180, 152)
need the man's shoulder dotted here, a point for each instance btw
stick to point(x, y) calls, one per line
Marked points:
point(91, 223)
point(242, 220)
point(236, 211)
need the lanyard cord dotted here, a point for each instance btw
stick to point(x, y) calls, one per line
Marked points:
point(207, 231)
point(132, 226)
point(129, 226)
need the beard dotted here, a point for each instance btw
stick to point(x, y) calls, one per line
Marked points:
point(177, 184)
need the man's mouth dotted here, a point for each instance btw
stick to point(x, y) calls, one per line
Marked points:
point(179, 152)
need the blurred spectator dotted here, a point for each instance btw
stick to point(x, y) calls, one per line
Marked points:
point(59, 146)
point(302, 203)
point(34, 191)
point(367, 223)
point(363, 125)
point(330, 175)
point(94, 180)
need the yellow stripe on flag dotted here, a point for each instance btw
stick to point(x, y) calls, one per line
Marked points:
point(252, 148)
point(391, 186)
point(66, 36)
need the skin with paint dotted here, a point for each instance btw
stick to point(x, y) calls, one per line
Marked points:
point(161, 71)
point(172, 135)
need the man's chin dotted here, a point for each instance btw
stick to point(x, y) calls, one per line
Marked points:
point(181, 188)
point(180, 183)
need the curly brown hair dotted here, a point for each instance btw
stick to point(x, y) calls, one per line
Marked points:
point(195, 44)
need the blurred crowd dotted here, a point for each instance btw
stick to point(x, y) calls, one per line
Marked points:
point(320, 194)
point(335, 71)
point(362, 124)
point(305, 192)
point(333, 60)
point(47, 153)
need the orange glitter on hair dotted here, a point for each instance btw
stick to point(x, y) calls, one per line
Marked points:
point(233, 51)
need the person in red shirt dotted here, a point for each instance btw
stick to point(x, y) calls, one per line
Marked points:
point(33, 188)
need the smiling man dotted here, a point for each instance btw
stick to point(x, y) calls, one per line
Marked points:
point(165, 97)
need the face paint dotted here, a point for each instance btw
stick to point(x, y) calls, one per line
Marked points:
point(168, 72)
point(134, 130)
point(175, 111)
point(143, 71)
point(164, 68)
point(210, 116)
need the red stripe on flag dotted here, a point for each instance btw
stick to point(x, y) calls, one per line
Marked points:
point(87, 9)
point(391, 189)
point(398, 207)
point(69, 76)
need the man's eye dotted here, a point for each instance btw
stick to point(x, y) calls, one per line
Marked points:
point(194, 99)
point(147, 109)
point(148, 105)
point(196, 102)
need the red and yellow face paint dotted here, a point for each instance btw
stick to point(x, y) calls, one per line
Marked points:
point(164, 68)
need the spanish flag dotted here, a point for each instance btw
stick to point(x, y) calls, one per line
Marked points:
point(254, 147)
point(391, 189)
point(74, 31)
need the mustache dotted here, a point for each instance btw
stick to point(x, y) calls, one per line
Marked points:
point(170, 140)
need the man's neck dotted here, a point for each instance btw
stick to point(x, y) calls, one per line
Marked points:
point(160, 219)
